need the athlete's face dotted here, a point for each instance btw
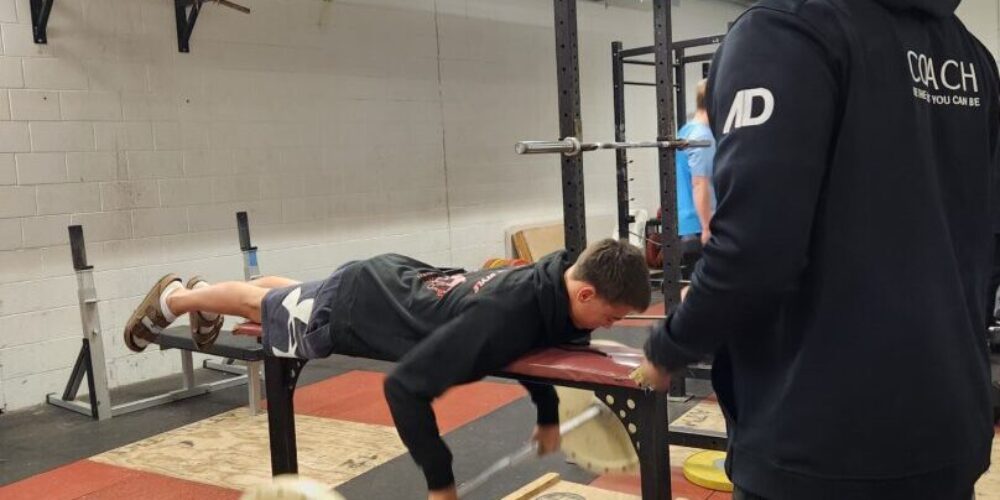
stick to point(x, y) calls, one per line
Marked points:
point(589, 311)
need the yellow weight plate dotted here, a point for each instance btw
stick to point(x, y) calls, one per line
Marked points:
point(708, 470)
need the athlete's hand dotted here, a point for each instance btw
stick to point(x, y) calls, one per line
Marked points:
point(548, 438)
point(449, 493)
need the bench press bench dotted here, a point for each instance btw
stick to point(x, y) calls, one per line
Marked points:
point(602, 369)
point(91, 363)
point(227, 345)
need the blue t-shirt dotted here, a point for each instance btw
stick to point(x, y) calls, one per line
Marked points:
point(693, 162)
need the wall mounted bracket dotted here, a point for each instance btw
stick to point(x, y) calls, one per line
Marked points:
point(40, 10)
point(186, 18)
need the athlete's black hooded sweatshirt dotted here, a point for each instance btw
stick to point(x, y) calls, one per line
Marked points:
point(446, 331)
point(845, 287)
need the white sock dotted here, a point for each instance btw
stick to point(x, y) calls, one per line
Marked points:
point(171, 288)
point(209, 316)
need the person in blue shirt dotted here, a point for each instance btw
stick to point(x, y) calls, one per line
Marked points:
point(695, 195)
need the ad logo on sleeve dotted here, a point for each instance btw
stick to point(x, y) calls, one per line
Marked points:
point(943, 84)
point(742, 113)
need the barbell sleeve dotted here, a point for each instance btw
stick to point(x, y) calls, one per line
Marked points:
point(527, 451)
point(568, 146)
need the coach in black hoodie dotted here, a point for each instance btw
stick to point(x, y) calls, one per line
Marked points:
point(844, 291)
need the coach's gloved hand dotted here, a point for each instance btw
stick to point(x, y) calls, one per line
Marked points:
point(650, 376)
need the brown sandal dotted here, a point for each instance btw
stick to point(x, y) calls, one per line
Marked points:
point(203, 331)
point(148, 320)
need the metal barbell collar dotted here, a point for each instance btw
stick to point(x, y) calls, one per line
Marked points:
point(572, 146)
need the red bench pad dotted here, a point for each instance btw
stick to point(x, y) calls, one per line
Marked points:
point(595, 364)
point(248, 329)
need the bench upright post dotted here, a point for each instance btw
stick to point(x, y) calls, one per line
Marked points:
point(280, 377)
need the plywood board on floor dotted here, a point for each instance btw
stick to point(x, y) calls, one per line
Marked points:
point(552, 487)
point(231, 450)
point(704, 416)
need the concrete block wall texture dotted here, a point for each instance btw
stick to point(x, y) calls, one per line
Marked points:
point(982, 18)
point(344, 128)
point(329, 123)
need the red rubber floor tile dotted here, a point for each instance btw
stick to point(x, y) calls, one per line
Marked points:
point(629, 484)
point(357, 396)
point(92, 480)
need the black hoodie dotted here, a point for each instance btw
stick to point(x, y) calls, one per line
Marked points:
point(844, 290)
point(449, 330)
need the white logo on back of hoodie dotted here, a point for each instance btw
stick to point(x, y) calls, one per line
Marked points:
point(741, 114)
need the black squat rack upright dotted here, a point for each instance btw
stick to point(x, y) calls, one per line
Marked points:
point(619, 58)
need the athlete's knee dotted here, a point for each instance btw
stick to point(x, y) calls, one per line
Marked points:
point(272, 281)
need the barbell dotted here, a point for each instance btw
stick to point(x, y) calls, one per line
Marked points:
point(572, 146)
point(592, 437)
point(529, 450)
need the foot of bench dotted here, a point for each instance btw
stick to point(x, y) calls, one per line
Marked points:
point(280, 377)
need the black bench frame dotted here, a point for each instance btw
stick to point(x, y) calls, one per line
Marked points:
point(647, 415)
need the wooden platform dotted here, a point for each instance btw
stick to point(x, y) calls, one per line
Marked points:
point(230, 450)
point(552, 487)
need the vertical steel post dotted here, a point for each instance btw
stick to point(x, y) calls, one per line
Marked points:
point(666, 130)
point(570, 125)
point(250, 268)
point(280, 377)
point(100, 395)
point(654, 452)
point(681, 85)
point(621, 156)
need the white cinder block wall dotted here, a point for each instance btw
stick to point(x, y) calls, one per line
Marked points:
point(345, 128)
point(982, 17)
point(491, 49)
